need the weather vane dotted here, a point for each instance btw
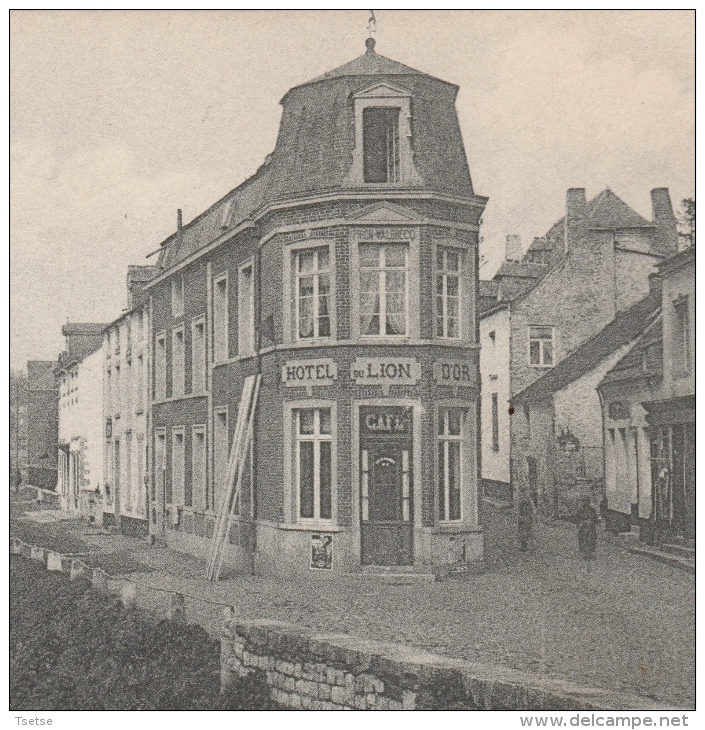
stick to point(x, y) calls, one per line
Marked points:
point(372, 23)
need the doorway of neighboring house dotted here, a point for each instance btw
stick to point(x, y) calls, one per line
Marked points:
point(159, 486)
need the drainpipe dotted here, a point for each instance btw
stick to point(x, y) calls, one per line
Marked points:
point(258, 361)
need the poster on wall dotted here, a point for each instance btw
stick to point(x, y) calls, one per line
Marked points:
point(321, 552)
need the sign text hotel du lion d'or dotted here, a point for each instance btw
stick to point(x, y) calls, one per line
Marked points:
point(374, 370)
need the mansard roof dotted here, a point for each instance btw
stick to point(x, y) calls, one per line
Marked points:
point(316, 143)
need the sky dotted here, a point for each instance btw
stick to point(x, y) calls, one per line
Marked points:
point(118, 118)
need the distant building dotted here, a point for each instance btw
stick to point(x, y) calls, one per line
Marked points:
point(591, 265)
point(79, 374)
point(648, 411)
point(557, 425)
point(125, 351)
point(42, 427)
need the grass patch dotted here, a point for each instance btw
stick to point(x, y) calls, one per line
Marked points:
point(72, 648)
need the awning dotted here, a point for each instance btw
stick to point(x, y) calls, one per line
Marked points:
point(668, 412)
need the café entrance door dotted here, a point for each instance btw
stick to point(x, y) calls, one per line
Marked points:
point(386, 494)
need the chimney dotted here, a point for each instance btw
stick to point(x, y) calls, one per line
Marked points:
point(663, 217)
point(178, 220)
point(513, 250)
point(575, 212)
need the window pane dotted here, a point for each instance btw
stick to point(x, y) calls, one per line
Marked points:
point(369, 281)
point(452, 285)
point(547, 352)
point(534, 354)
point(380, 142)
point(306, 479)
point(324, 326)
point(453, 327)
point(306, 286)
point(454, 421)
point(441, 481)
point(324, 420)
point(396, 281)
point(454, 480)
point(306, 260)
point(540, 332)
point(452, 260)
point(395, 256)
point(325, 479)
point(323, 259)
point(306, 317)
point(306, 422)
point(369, 255)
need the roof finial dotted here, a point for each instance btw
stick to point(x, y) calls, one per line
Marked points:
point(372, 27)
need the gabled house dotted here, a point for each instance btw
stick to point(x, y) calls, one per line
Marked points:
point(591, 265)
point(648, 413)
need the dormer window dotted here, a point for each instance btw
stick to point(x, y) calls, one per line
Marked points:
point(383, 152)
point(380, 144)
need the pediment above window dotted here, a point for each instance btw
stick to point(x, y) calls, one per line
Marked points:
point(384, 213)
point(382, 90)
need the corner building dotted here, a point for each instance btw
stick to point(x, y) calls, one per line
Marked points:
point(345, 273)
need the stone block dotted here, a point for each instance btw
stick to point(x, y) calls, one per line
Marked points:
point(408, 700)
point(177, 608)
point(289, 684)
point(306, 702)
point(78, 570)
point(295, 701)
point(54, 561)
point(128, 593)
point(324, 691)
point(16, 546)
point(37, 553)
point(99, 580)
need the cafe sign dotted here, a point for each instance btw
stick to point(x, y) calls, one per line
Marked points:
point(385, 371)
point(298, 373)
point(453, 372)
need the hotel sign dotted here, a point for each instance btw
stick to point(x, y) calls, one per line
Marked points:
point(385, 371)
point(454, 372)
point(298, 373)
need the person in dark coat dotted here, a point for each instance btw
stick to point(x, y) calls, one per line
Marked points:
point(587, 519)
point(526, 522)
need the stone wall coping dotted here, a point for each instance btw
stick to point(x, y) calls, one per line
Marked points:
point(412, 668)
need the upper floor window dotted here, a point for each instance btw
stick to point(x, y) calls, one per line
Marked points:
point(246, 311)
point(220, 319)
point(313, 433)
point(380, 144)
point(541, 346)
point(160, 367)
point(177, 362)
point(681, 336)
point(312, 267)
point(177, 296)
point(198, 357)
point(383, 289)
point(448, 293)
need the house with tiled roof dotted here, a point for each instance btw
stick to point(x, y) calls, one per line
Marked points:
point(558, 428)
point(315, 369)
point(648, 417)
point(590, 266)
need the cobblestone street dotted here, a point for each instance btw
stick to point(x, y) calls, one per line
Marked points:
point(621, 621)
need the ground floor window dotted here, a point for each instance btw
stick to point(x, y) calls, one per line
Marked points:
point(450, 459)
point(314, 437)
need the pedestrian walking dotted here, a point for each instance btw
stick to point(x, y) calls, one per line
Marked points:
point(587, 519)
point(526, 522)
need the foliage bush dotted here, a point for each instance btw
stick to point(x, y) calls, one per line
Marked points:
point(72, 648)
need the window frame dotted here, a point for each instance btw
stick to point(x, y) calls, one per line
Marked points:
point(177, 431)
point(315, 275)
point(198, 502)
point(683, 360)
point(440, 250)
point(292, 498)
point(541, 340)
point(290, 290)
point(178, 361)
point(196, 366)
point(495, 422)
point(221, 347)
point(443, 440)
point(382, 270)
point(160, 366)
point(246, 348)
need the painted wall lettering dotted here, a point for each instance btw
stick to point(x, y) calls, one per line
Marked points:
point(385, 371)
point(309, 372)
point(454, 372)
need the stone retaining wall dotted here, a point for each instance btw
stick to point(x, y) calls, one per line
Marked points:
point(338, 672)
